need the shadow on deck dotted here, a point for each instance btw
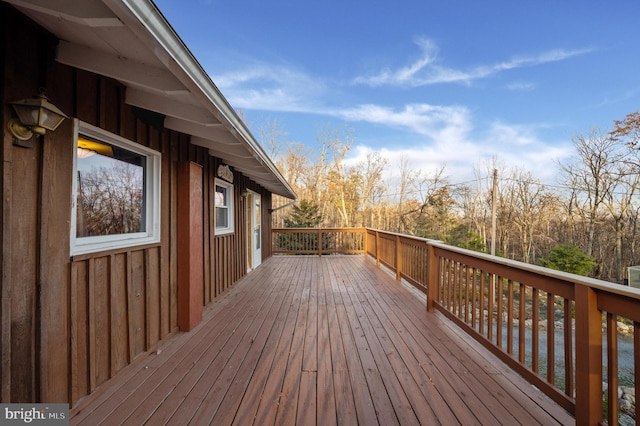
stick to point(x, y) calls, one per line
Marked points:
point(319, 340)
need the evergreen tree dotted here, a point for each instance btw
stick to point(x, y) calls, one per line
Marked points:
point(569, 258)
point(306, 214)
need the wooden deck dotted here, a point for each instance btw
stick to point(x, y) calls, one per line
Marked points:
point(319, 340)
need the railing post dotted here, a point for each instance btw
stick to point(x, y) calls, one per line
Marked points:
point(319, 242)
point(588, 357)
point(432, 277)
point(398, 259)
point(377, 248)
point(366, 241)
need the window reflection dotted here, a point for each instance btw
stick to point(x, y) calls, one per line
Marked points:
point(222, 207)
point(111, 183)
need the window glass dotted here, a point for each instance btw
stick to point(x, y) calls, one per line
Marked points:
point(224, 207)
point(116, 192)
point(110, 193)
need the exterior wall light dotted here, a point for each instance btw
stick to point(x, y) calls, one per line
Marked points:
point(35, 115)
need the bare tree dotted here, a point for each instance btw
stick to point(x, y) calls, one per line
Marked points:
point(110, 200)
point(370, 186)
point(273, 137)
point(532, 209)
point(590, 174)
point(335, 144)
point(429, 214)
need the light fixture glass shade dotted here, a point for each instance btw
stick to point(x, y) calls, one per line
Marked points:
point(38, 114)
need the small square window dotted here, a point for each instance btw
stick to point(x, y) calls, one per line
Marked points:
point(116, 192)
point(224, 207)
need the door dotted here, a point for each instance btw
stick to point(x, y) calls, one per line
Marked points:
point(254, 234)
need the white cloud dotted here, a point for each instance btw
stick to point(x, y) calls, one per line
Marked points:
point(274, 88)
point(514, 145)
point(521, 86)
point(426, 70)
point(445, 134)
point(436, 122)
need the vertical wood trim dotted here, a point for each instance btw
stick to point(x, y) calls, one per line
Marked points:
point(148, 301)
point(74, 353)
point(206, 230)
point(5, 303)
point(166, 217)
point(130, 289)
point(92, 326)
point(112, 314)
point(55, 268)
point(173, 230)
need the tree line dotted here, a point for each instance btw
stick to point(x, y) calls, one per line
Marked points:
point(591, 217)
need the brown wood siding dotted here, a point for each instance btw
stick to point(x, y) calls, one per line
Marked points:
point(69, 324)
point(230, 251)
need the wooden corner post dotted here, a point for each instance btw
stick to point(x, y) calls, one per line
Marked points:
point(588, 362)
point(432, 277)
point(398, 258)
point(190, 245)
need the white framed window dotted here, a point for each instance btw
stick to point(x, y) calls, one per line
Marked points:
point(115, 193)
point(224, 207)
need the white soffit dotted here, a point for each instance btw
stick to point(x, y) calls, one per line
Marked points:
point(130, 41)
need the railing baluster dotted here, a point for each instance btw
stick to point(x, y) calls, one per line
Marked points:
point(551, 344)
point(447, 283)
point(466, 294)
point(481, 307)
point(510, 317)
point(568, 348)
point(474, 297)
point(454, 286)
point(461, 287)
point(491, 285)
point(535, 342)
point(521, 324)
point(499, 290)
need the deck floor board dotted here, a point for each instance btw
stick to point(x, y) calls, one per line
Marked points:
point(319, 340)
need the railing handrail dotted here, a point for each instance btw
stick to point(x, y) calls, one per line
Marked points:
point(540, 270)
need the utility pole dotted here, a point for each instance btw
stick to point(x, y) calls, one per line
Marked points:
point(494, 196)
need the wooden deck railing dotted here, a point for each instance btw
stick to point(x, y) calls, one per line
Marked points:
point(318, 241)
point(558, 330)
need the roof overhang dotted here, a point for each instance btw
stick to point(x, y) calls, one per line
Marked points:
point(132, 42)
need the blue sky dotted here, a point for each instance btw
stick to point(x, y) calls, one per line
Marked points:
point(453, 83)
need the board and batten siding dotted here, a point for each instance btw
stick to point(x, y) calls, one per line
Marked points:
point(71, 323)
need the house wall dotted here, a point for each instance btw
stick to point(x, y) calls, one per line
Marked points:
point(69, 324)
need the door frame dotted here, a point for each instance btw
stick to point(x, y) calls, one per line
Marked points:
point(254, 241)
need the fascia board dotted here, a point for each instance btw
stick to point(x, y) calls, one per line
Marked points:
point(178, 59)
